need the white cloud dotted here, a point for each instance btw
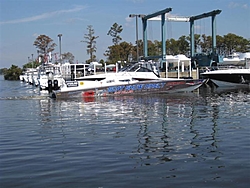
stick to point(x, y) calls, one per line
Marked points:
point(35, 35)
point(130, 21)
point(137, 1)
point(43, 16)
point(233, 5)
point(245, 6)
point(238, 5)
point(72, 20)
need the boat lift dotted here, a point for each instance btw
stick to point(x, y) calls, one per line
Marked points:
point(200, 59)
point(145, 18)
point(155, 16)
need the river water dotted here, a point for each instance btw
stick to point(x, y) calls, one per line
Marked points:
point(199, 139)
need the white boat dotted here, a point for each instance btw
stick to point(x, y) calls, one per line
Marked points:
point(136, 79)
point(26, 76)
point(35, 80)
point(32, 76)
point(237, 59)
point(233, 77)
point(73, 71)
point(22, 77)
point(245, 58)
point(50, 77)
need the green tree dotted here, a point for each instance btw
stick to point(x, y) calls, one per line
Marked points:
point(152, 49)
point(235, 43)
point(172, 47)
point(102, 62)
point(120, 52)
point(230, 41)
point(206, 43)
point(112, 53)
point(44, 44)
point(197, 42)
point(183, 45)
point(90, 39)
point(158, 47)
point(114, 32)
point(3, 70)
point(68, 57)
point(12, 73)
point(133, 52)
point(243, 45)
point(125, 50)
point(33, 64)
point(219, 44)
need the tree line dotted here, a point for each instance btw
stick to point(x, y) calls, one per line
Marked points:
point(225, 45)
point(126, 51)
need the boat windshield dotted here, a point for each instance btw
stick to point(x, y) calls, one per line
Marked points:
point(141, 67)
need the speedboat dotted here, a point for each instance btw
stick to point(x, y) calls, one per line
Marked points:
point(233, 77)
point(135, 79)
point(232, 59)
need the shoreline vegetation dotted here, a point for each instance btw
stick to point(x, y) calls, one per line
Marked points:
point(124, 51)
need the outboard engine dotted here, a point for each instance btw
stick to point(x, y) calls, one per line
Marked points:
point(50, 81)
point(50, 86)
point(56, 87)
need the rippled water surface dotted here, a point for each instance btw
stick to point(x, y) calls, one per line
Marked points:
point(199, 139)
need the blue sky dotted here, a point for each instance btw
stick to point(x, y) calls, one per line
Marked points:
point(21, 21)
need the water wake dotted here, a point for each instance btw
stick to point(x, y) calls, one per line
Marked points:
point(24, 97)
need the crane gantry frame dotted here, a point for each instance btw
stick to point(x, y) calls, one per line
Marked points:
point(163, 19)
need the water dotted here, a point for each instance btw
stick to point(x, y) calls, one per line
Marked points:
point(181, 140)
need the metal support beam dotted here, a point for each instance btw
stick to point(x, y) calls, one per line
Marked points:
point(192, 19)
point(163, 39)
point(145, 40)
point(137, 47)
point(205, 15)
point(192, 38)
point(178, 19)
point(213, 35)
point(60, 47)
point(163, 32)
point(171, 19)
point(158, 13)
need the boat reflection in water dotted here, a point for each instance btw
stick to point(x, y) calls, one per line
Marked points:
point(138, 134)
point(166, 125)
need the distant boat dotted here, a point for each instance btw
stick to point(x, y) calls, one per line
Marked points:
point(237, 59)
point(26, 76)
point(50, 77)
point(233, 77)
